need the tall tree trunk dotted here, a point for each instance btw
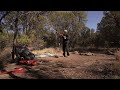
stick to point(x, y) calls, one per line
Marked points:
point(15, 35)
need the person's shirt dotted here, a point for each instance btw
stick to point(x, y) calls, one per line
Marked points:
point(65, 38)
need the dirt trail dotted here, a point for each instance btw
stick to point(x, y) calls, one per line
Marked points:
point(74, 66)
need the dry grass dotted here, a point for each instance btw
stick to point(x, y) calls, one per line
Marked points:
point(5, 51)
point(117, 55)
point(106, 70)
point(112, 70)
point(5, 55)
point(47, 50)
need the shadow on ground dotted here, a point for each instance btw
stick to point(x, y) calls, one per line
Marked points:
point(44, 73)
point(106, 70)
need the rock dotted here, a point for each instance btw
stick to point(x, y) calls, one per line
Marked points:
point(56, 56)
point(75, 52)
point(89, 54)
point(81, 54)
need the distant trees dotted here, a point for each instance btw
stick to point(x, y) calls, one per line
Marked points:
point(109, 29)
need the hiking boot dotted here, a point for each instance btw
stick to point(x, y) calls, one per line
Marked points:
point(64, 54)
point(68, 54)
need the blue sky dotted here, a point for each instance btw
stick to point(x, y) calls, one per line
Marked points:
point(94, 17)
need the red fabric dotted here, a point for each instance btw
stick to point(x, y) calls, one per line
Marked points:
point(28, 62)
point(20, 70)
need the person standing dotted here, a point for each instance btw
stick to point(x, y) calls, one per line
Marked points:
point(65, 43)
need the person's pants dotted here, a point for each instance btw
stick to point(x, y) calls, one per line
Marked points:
point(65, 49)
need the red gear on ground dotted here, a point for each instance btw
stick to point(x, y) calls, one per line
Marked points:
point(28, 62)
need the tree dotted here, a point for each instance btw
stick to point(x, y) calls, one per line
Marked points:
point(74, 22)
point(109, 28)
point(3, 14)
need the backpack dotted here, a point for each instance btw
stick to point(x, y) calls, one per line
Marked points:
point(23, 52)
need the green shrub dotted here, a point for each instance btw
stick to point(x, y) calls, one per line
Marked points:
point(24, 39)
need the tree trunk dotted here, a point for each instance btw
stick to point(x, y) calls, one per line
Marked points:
point(15, 35)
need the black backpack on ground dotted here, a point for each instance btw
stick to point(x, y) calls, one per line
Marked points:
point(24, 53)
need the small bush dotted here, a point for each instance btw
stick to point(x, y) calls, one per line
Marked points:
point(24, 39)
point(106, 70)
point(5, 57)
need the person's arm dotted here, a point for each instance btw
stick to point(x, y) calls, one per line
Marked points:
point(61, 34)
